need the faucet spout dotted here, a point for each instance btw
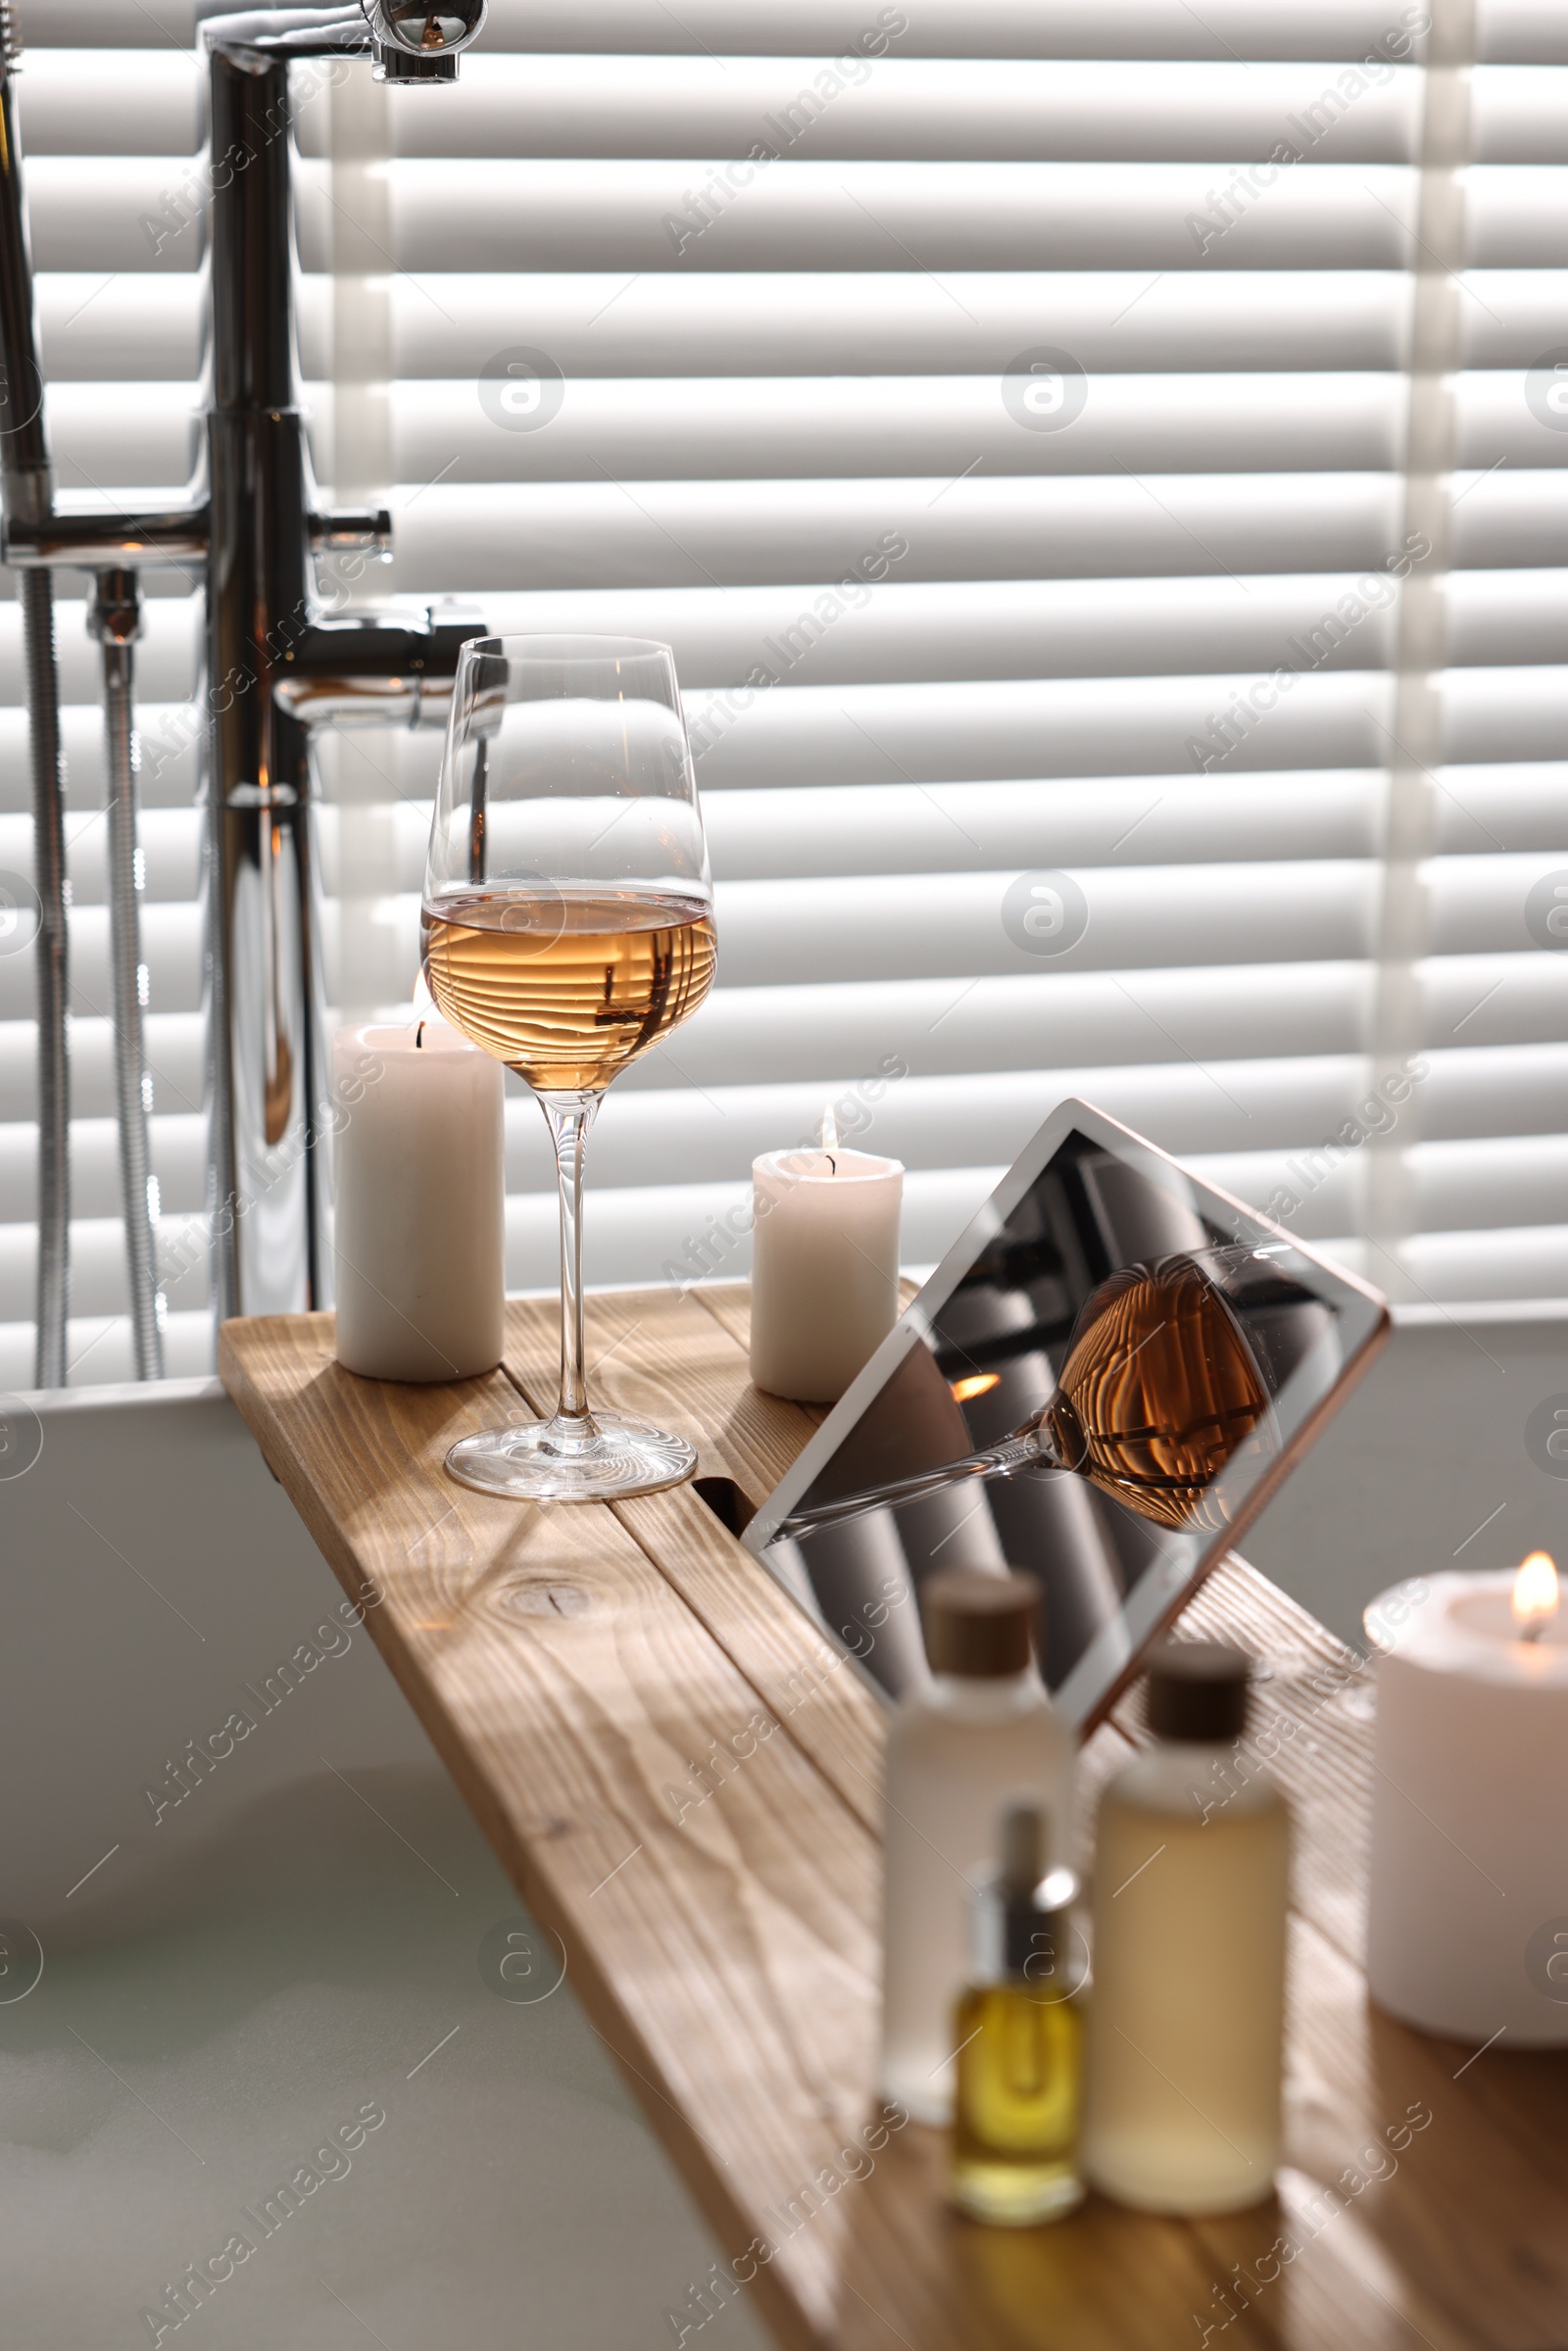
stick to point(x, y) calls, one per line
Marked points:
point(408, 40)
point(414, 40)
point(372, 670)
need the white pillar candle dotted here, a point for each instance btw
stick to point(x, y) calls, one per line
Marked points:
point(1468, 1928)
point(420, 1204)
point(824, 1267)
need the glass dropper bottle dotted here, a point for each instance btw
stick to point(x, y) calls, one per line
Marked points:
point(1018, 2033)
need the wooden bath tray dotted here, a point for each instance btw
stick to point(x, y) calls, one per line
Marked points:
point(682, 1782)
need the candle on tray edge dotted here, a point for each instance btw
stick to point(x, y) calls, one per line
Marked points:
point(1468, 1903)
point(420, 1220)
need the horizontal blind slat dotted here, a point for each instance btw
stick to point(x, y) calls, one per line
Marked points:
point(1020, 727)
point(859, 425)
point(800, 108)
point(1311, 1110)
point(601, 534)
point(108, 101)
point(942, 1027)
point(984, 28)
point(175, 1055)
point(843, 829)
point(891, 322)
point(171, 946)
point(1016, 631)
point(592, 214)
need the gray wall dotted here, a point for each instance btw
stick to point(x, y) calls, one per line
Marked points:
point(1432, 1463)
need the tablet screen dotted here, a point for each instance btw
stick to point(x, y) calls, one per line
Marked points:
point(1100, 1384)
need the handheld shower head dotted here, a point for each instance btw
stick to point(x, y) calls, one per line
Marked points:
point(418, 41)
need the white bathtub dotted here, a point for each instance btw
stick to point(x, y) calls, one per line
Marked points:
point(242, 1983)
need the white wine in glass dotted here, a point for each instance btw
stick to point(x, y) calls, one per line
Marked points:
point(623, 973)
point(568, 926)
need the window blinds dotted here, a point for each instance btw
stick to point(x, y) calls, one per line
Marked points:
point(1100, 469)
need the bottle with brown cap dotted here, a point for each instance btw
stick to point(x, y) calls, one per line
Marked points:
point(980, 1734)
point(1192, 1854)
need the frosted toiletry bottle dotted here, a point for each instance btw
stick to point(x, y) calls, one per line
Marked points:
point(979, 1733)
point(1192, 1854)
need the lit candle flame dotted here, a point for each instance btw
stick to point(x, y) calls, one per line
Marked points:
point(1534, 1595)
point(830, 1135)
point(979, 1383)
point(424, 1006)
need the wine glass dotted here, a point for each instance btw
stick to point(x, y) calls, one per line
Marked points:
point(568, 925)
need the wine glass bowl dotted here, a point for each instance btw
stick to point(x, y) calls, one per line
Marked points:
point(566, 927)
point(1160, 1392)
point(566, 991)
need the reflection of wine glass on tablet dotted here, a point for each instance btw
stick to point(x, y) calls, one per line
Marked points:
point(568, 926)
point(1160, 1389)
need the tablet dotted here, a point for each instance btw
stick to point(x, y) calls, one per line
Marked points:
point(1103, 1383)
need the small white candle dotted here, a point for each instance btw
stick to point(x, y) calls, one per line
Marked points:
point(824, 1266)
point(420, 1204)
point(1468, 1928)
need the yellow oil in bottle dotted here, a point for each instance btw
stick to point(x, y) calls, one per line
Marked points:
point(1018, 2037)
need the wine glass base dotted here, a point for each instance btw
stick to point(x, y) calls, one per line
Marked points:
point(602, 1460)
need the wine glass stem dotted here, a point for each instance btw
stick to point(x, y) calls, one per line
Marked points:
point(571, 1116)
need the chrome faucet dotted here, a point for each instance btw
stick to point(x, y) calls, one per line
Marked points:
point(277, 664)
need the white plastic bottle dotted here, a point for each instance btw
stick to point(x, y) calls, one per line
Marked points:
point(1192, 1857)
point(979, 1735)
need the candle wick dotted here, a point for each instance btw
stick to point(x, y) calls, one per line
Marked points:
point(832, 1163)
point(1535, 1628)
point(418, 1034)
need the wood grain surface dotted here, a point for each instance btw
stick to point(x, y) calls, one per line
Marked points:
point(659, 1355)
point(682, 1779)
